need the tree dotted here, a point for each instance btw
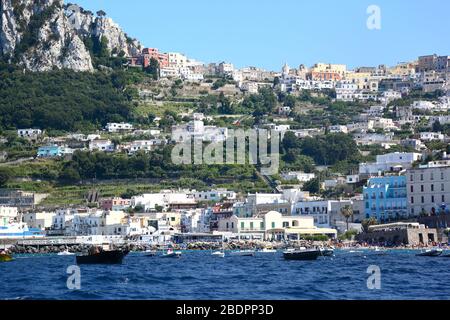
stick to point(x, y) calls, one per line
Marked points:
point(366, 223)
point(153, 68)
point(347, 212)
point(313, 186)
point(101, 13)
point(4, 177)
point(437, 127)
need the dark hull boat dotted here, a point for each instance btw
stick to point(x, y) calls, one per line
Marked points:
point(302, 255)
point(104, 257)
point(430, 253)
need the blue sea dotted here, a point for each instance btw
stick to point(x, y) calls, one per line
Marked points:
point(199, 275)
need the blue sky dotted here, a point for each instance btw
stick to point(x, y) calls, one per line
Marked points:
point(267, 33)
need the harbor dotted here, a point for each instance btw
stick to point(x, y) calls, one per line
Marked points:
point(201, 275)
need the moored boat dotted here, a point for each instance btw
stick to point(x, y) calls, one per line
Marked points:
point(4, 257)
point(244, 253)
point(267, 250)
point(66, 253)
point(430, 253)
point(302, 254)
point(220, 254)
point(326, 252)
point(172, 254)
point(102, 256)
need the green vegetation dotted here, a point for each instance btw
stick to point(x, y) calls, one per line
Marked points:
point(62, 100)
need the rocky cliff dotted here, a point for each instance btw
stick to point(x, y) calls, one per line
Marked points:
point(45, 34)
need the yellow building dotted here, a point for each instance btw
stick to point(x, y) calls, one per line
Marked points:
point(340, 69)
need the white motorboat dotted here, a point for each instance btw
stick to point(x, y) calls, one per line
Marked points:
point(66, 253)
point(172, 254)
point(267, 250)
point(243, 253)
point(436, 252)
point(220, 254)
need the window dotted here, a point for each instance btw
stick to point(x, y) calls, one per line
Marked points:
point(421, 177)
point(261, 225)
point(432, 199)
point(422, 188)
point(442, 176)
point(442, 187)
point(251, 225)
point(411, 178)
point(285, 224)
point(443, 198)
point(423, 199)
point(432, 188)
point(412, 200)
point(242, 225)
point(432, 176)
point(273, 225)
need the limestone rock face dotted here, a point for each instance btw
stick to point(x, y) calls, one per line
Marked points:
point(42, 35)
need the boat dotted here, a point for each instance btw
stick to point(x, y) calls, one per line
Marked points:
point(4, 257)
point(326, 252)
point(20, 230)
point(172, 254)
point(150, 253)
point(102, 256)
point(220, 254)
point(431, 253)
point(302, 254)
point(267, 250)
point(66, 253)
point(244, 253)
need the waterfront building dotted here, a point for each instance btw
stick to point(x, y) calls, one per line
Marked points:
point(39, 220)
point(273, 226)
point(429, 188)
point(21, 199)
point(400, 233)
point(386, 198)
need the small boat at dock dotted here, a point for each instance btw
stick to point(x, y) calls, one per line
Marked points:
point(431, 253)
point(150, 253)
point(302, 254)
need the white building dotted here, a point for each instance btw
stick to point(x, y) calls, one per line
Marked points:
point(118, 127)
point(29, 133)
point(273, 226)
point(102, 145)
point(299, 176)
point(428, 189)
point(432, 136)
point(163, 199)
point(389, 162)
point(214, 195)
point(7, 215)
point(39, 220)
